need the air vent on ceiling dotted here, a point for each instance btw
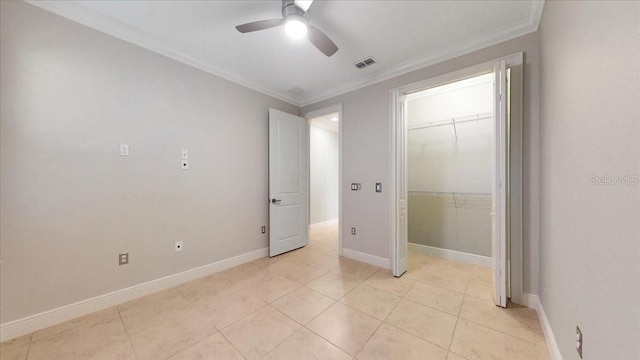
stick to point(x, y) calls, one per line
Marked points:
point(365, 63)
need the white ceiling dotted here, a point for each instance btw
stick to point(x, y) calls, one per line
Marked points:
point(401, 35)
point(327, 122)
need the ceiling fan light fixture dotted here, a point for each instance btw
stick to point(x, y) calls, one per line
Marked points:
point(296, 26)
point(295, 19)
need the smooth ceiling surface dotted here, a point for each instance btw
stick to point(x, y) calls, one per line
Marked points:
point(401, 35)
point(326, 122)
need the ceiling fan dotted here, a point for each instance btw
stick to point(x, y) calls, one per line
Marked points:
point(295, 18)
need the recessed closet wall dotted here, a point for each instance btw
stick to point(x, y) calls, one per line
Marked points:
point(450, 166)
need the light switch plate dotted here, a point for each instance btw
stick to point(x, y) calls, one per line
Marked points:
point(378, 187)
point(184, 164)
point(184, 154)
point(124, 149)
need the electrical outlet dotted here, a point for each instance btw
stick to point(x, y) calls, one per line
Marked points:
point(353, 231)
point(356, 186)
point(264, 229)
point(178, 246)
point(123, 259)
point(579, 341)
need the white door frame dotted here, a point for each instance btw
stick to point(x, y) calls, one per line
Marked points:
point(398, 194)
point(500, 247)
point(480, 69)
point(337, 108)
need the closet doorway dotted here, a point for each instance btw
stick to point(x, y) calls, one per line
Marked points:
point(457, 157)
point(449, 170)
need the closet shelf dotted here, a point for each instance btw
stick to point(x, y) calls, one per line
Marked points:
point(452, 121)
point(458, 199)
point(446, 193)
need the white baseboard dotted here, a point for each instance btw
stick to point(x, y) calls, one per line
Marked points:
point(451, 254)
point(533, 301)
point(367, 258)
point(52, 317)
point(530, 301)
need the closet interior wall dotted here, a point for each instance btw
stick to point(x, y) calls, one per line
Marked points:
point(450, 166)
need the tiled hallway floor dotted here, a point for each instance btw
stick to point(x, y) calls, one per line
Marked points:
point(306, 304)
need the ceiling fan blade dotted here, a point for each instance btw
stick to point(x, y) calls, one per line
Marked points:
point(303, 4)
point(321, 41)
point(259, 25)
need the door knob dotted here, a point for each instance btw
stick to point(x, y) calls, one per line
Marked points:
point(275, 201)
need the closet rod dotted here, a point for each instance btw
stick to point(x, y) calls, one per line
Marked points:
point(452, 121)
point(449, 193)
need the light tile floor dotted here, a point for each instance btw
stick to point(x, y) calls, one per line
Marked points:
point(306, 304)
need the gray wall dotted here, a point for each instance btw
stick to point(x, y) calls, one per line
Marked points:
point(323, 167)
point(366, 154)
point(590, 126)
point(70, 204)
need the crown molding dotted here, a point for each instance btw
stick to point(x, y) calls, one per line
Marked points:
point(530, 26)
point(135, 36)
point(122, 31)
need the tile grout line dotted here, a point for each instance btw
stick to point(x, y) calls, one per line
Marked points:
point(126, 332)
point(288, 337)
point(26, 356)
point(453, 334)
point(336, 302)
point(431, 307)
point(384, 321)
point(232, 345)
point(28, 345)
point(220, 330)
point(485, 326)
point(379, 325)
point(503, 333)
point(419, 337)
point(440, 287)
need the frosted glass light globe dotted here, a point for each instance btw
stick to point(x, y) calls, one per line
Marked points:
point(295, 28)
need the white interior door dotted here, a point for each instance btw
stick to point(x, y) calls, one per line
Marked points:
point(288, 183)
point(499, 183)
point(402, 242)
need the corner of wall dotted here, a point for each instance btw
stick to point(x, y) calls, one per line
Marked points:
point(533, 301)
